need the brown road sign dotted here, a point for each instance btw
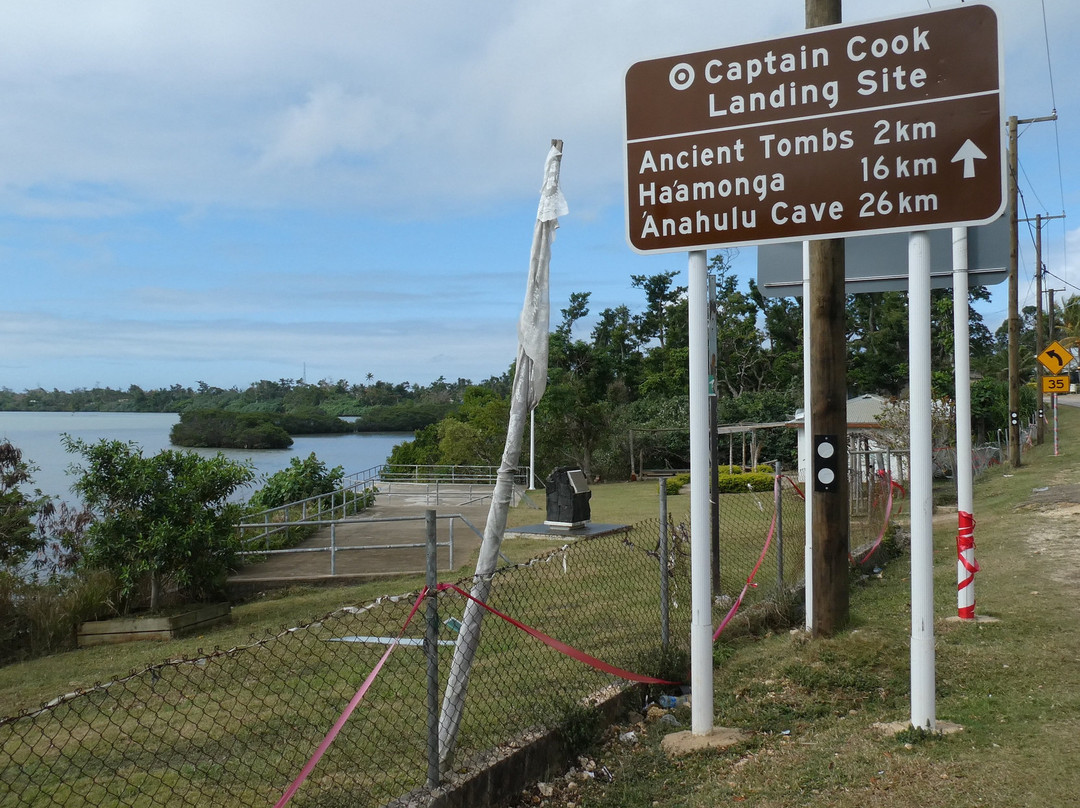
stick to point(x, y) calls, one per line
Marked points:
point(875, 127)
point(1055, 357)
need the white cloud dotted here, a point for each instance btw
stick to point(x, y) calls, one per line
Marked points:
point(332, 122)
point(155, 158)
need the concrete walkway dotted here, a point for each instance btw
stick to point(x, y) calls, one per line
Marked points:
point(395, 501)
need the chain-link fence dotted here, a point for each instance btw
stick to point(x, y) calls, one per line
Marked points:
point(984, 458)
point(234, 727)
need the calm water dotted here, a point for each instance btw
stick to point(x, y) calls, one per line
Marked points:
point(37, 434)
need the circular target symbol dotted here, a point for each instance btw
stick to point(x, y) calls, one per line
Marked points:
point(681, 76)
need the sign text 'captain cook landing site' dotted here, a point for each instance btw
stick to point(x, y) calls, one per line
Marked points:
point(883, 126)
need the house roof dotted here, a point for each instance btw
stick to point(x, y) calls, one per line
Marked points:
point(862, 412)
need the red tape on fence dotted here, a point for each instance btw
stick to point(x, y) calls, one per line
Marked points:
point(795, 485)
point(321, 750)
point(888, 515)
point(749, 581)
point(562, 647)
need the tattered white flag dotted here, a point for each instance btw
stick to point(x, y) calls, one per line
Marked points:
point(536, 313)
point(530, 379)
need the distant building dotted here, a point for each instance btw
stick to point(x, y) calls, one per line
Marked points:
point(866, 452)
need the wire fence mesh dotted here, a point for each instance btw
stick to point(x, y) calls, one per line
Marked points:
point(235, 726)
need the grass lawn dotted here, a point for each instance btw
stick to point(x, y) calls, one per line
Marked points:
point(811, 705)
point(31, 683)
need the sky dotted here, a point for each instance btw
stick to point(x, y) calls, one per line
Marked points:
point(228, 192)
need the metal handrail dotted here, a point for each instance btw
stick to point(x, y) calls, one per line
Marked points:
point(334, 549)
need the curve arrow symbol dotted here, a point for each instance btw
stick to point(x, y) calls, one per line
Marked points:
point(1060, 361)
point(969, 153)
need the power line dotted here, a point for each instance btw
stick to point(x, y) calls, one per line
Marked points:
point(1049, 66)
point(1062, 280)
point(1057, 136)
point(1033, 191)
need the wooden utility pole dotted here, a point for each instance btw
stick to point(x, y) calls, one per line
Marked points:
point(1050, 311)
point(1014, 285)
point(1040, 326)
point(828, 403)
point(1040, 429)
point(1014, 314)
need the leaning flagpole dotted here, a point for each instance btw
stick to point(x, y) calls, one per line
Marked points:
point(530, 379)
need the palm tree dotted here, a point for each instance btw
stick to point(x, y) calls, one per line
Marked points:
point(1067, 321)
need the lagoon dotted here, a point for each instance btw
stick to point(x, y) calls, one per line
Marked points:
point(38, 435)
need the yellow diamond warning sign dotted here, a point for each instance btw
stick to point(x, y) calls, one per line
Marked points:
point(1055, 357)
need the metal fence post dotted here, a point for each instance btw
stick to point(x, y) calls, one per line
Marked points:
point(451, 540)
point(664, 625)
point(779, 527)
point(333, 548)
point(431, 644)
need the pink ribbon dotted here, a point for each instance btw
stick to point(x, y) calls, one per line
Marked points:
point(315, 758)
point(749, 581)
point(562, 647)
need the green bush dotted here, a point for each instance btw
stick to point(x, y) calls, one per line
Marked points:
point(741, 483)
point(729, 482)
point(580, 729)
point(42, 617)
point(761, 468)
point(161, 520)
point(301, 480)
point(675, 484)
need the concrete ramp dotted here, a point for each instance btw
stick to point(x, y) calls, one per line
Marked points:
point(397, 518)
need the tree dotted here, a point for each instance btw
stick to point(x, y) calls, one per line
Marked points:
point(575, 310)
point(18, 538)
point(302, 479)
point(743, 364)
point(165, 519)
point(877, 343)
point(1067, 321)
point(476, 432)
point(422, 450)
point(616, 344)
point(659, 296)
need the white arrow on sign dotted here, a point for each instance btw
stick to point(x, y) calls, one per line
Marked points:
point(969, 153)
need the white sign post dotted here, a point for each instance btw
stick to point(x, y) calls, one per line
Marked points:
point(889, 126)
point(922, 477)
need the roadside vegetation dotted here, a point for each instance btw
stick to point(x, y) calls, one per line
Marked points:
point(153, 533)
point(811, 706)
point(616, 396)
point(616, 406)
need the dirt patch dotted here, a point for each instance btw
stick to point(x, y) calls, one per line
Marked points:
point(1056, 531)
point(1053, 495)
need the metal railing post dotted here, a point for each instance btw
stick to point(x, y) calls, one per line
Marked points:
point(431, 645)
point(333, 548)
point(451, 539)
point(664, 627)
point(779, 527)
